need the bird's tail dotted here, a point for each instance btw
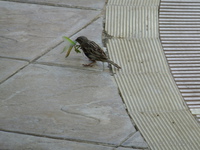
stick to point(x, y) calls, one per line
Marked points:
point(114, 64)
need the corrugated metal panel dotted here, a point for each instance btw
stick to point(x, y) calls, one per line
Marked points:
point(145, 81)
point(179, 23)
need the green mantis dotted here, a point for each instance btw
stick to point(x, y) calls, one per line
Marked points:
point(72, 44)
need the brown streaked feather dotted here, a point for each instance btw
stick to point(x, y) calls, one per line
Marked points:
point(93, 51)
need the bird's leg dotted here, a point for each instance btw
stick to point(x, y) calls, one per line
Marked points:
point(90, 64)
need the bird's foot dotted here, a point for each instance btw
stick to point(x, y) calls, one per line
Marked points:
point(90, 64)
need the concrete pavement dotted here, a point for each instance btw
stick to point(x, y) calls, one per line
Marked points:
point(52, 102)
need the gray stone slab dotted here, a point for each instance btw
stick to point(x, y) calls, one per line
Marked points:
point(94, 4)
point(12, 141)
point(9, 67)
point(93, 32)
point(136, 141)
point(64, 103)
point(28, 30)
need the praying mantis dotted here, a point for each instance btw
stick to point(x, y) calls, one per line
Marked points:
point(72, 44)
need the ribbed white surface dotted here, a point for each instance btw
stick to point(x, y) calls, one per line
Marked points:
point(145, 82)
point(132, 21)
point(134, 2)
point(150, 92)
point(142, 55)
point(180, 36)
point(169, 130)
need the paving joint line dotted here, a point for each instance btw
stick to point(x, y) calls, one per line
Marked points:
point(59, 138)
point(120, 145)
point(13, 58)
point(66, 66)
point(51, 4)
point(48, 50)
point(134, 147)
point(49, 64)
point(29, 62)
point(89, 23)
point(14, 73)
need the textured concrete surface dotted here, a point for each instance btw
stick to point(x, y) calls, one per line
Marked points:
point(48, 101)
point(64, 102)
point(10, 141)
point(29, 30)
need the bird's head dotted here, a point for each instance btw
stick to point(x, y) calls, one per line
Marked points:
point(81, 39)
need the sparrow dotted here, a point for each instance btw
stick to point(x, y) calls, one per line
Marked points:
point(94, 52)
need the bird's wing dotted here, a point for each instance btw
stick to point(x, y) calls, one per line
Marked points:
point(96, 49)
